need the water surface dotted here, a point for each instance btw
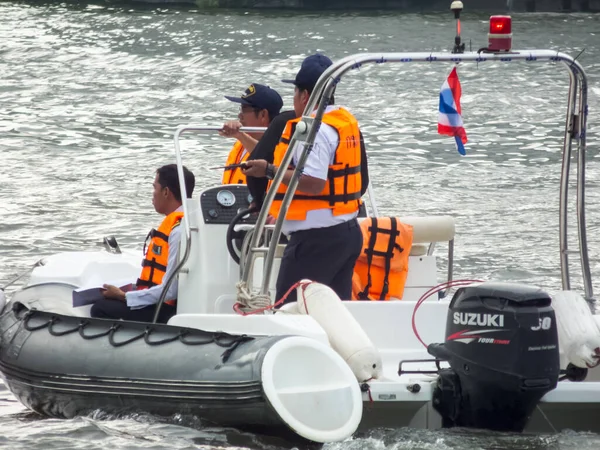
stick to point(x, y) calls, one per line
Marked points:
point(90, 95)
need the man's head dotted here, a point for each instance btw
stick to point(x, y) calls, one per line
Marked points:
point(166, 197)
point(310, 71)
point(259, 104)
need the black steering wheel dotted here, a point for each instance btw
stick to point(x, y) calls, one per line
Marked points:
point(238, 236)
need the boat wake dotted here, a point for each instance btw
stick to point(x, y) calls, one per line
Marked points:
point(24, 430)
point(463, 439)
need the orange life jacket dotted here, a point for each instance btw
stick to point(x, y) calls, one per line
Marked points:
point(381, 269)
point(342, 191)
point(236, 156)
point(156, 255)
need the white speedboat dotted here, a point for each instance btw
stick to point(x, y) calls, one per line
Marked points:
point(497, 356)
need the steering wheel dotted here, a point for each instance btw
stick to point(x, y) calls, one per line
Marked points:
point(233, 235)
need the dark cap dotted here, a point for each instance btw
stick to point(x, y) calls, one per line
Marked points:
point(310, 71)
point(261, 97)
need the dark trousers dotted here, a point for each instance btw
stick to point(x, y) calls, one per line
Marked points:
point(326, 255)
point(116, 309)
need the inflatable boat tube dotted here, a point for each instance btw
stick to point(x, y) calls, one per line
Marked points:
point(66, 366)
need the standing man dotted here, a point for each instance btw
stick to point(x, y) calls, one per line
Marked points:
point(324, 236)
point(160, 257)
point(258, 107)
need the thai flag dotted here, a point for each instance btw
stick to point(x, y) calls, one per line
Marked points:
point(450, 121)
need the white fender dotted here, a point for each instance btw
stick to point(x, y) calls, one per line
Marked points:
point(290, 308)
point(312, 389)
point(345, 334)
point(578, 333)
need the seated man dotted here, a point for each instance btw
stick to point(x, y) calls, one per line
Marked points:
point(160, 257)
point(259, 105)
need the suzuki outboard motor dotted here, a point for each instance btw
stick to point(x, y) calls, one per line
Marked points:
point(502, 346)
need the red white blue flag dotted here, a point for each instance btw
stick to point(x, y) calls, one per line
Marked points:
point(450, 121)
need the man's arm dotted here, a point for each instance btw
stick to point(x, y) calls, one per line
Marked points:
point(247, 141)
point(307, 184)
point(314, 177)
point(316, 167)
point(150, 296)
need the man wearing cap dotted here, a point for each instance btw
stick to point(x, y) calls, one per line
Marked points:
point(324, 236)
point(258, 106)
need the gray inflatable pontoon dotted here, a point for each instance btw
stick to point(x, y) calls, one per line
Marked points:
point(66, 366)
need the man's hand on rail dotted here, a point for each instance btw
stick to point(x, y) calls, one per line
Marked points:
point(231, 129)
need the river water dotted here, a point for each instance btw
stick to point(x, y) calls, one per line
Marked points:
point(90, 95)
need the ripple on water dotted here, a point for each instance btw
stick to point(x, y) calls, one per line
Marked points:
point(91, 94)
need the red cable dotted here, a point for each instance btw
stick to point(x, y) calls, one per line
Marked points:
point(430, 292)
point(425, 296)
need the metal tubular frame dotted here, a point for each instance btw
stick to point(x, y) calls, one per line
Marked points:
point(564, 184)
point(575, 128)
point(581, 222)
point(308, 127)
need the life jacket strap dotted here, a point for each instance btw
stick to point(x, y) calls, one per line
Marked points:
point(329, 198)
point(388, 259)
point(152, 263)
point(143, 284)
point(364, 295)
point(155, 233)
point(148, 236)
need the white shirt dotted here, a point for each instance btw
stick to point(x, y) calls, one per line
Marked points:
point(146, 297)
point(317, 165)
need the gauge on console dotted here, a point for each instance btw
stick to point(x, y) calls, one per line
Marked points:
point(225, 198)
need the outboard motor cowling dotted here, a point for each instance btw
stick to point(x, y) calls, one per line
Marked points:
point(502, 346)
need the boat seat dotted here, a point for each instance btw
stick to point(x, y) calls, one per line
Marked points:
point(418, 250)
point(422, 268)
point(428, 229)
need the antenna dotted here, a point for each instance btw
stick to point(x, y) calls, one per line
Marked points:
point(456, 7)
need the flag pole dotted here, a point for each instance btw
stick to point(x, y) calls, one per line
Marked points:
point(456, 7)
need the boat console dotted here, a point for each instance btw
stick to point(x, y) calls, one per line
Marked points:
point(217, 225)
point(220, 204)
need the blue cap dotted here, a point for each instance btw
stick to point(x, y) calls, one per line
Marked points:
point(310, 71)
point(260, 96)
